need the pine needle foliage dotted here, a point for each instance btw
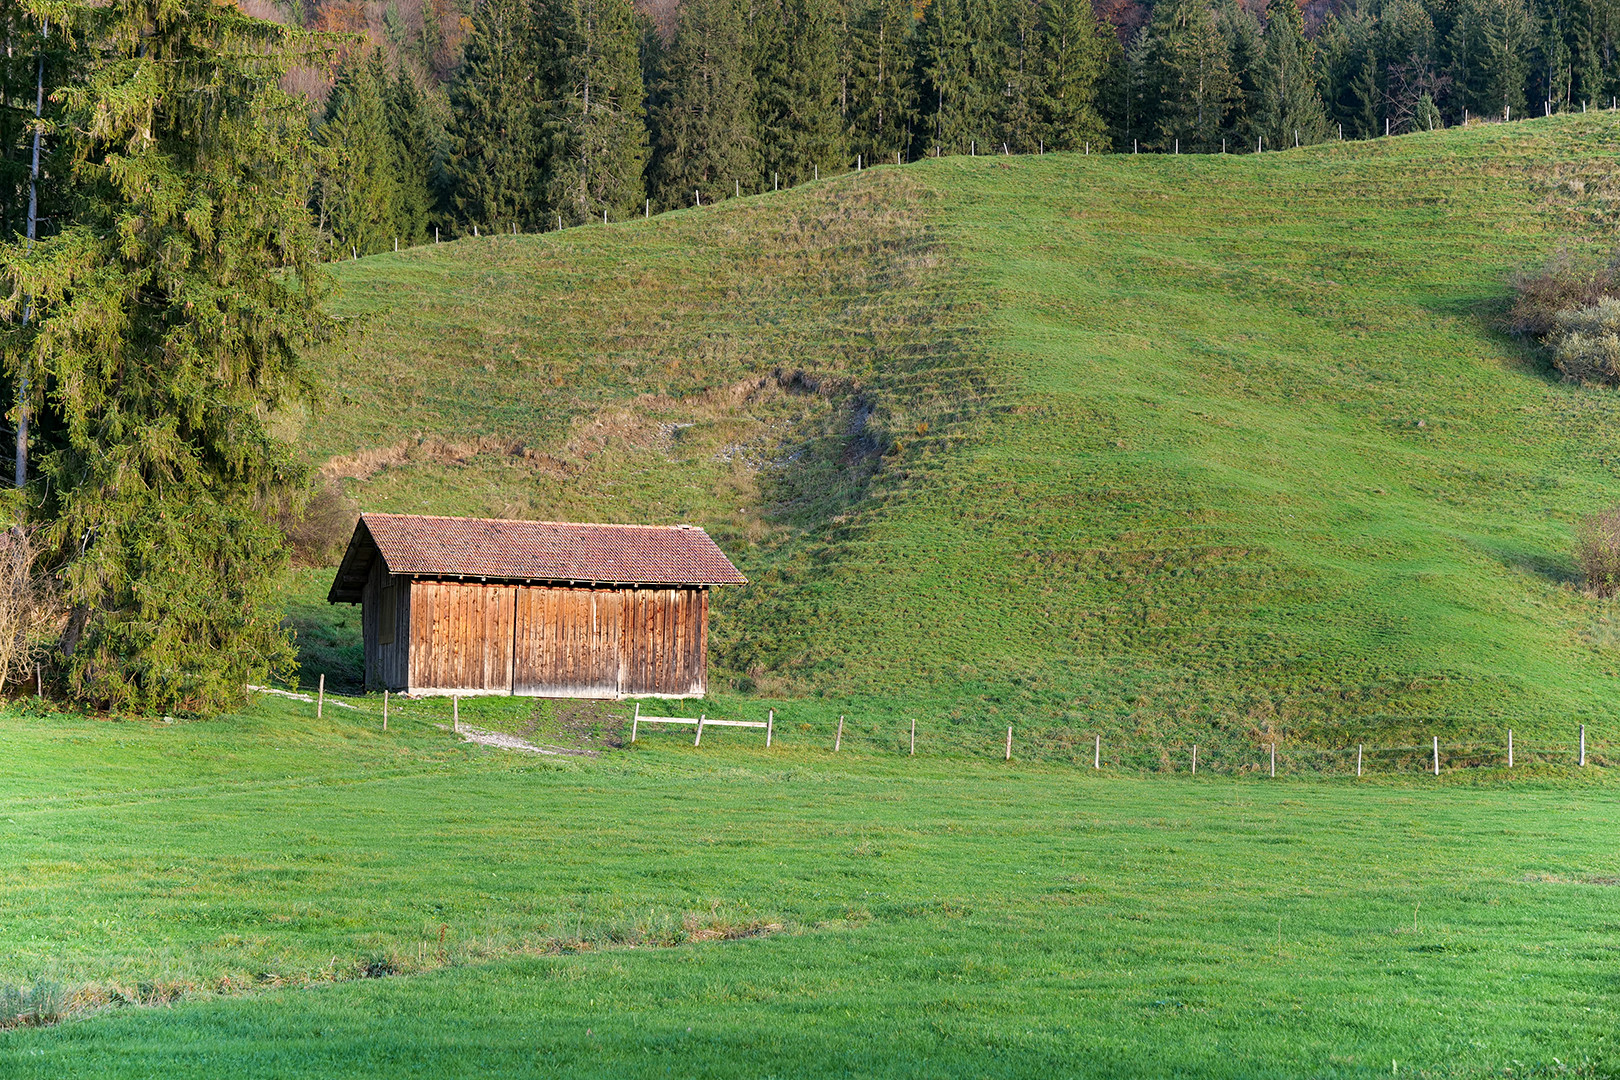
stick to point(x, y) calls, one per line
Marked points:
point(705, 119)
point(163, 327)
point(1289, 107)
point(598, 125)
point(496, 135)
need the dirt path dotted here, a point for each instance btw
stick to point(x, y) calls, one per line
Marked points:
point(512, 742)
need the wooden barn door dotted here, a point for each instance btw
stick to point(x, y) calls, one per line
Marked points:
point(666, 642)
point(567, 641)
point(461, 637)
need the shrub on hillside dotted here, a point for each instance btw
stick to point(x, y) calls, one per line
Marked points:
point(1597, 550)
point(1566, 283)
point(1586, 342)
point(318, 532)
point(30, 606)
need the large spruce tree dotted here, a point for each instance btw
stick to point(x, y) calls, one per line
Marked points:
point(597, 131)
point(415, 139)
point(1288, 107)
point(798, 119)
point(705, 115)
point(497, 159)
point(882, 93)
point(361, 198)
point(163, 324)
point(1073, 56)
point(1185, 79)
point(962, 59)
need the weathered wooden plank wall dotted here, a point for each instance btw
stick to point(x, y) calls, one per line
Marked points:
point(387, 664)
point(462, 637)
point(558, 641)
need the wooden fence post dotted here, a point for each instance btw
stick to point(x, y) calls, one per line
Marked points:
point(1510, 748)
point(838, 740)
point(635, 722)
point(385, 708)
point(1358, 760)
point(320, 697)
point(1096, 753)
point(1195, 759)
point(39, 680)
point(914, 738)
point(770, 727)
point(1437, 755)
point(701, 717)
point(1274, 760)
point(1009, 742)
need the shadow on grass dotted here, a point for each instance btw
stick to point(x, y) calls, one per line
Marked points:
point(326, 636)
point(1550, 567)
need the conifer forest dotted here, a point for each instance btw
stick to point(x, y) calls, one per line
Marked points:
point(173, 173)
point(450, 115)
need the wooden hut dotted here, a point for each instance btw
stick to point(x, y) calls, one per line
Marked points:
point(544, 608)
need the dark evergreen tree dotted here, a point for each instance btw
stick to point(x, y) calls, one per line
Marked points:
point(165, 322)
point(1490, 43)
point(1241, 32)
point(882, 94)
point(1072, 62)
point(597, 128)
point(1023, 88)
point(1288, 108)
point(703, 129)
point(1185, 76)
point(798, 85)
point(1348, 74)
point(962, 65)
point(495, 165)
point(416, 148)
point(360, 199)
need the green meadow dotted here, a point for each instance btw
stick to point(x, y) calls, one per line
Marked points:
point(1161, 450)
point(268, 895)
point(1215, 449)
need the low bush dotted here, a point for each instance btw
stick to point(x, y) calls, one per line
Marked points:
point(319, 531)
point(1566, 283)
point(1597, 550)
point(1585, 342)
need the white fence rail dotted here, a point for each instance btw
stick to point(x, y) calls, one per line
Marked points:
point(702, 722)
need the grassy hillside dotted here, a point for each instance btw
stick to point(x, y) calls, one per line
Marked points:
point(232, 893)
point(1181, 448)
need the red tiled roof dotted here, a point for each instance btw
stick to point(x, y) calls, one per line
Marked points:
point(416, 545)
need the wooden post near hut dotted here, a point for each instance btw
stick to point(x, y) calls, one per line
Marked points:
point(385, 710)
point(635, 722)
point(320, 696)
point(770, 726)
point(838, 740)
point(699, 740)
